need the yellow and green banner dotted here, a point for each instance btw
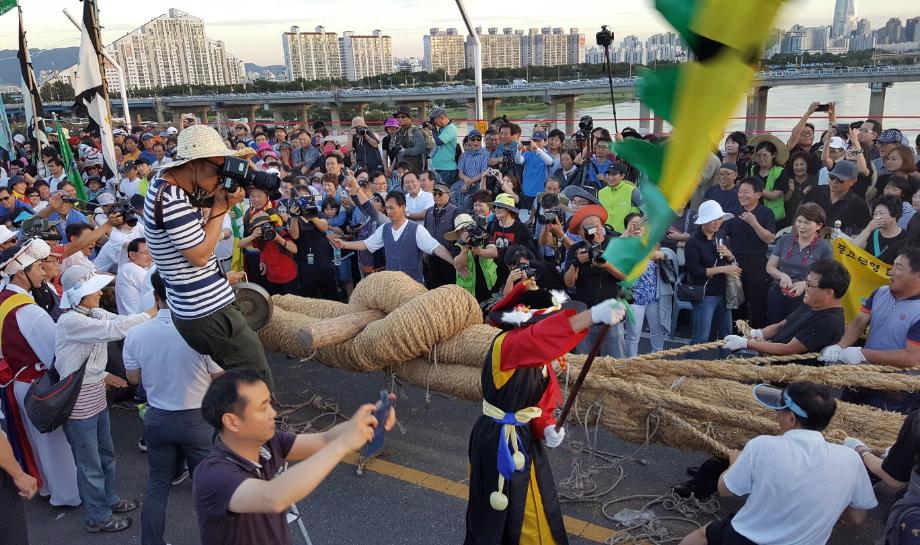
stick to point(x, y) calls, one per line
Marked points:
point(867, 273)
point(697, 98)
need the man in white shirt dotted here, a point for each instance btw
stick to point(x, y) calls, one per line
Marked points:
point(58, 174)
point(130, 182)
point(159, 151)
point(129, 282)
point(798, 484)
point(176, 379)
point(406, 258)
point(417, 200)
point(114, 252)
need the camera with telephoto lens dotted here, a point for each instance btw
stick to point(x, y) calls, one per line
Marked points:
point(361, 131)
point(123, 207)
point(269, 231)
point(476, 235)
point(236, 173)
point(528, 271)
point(595, 253)
point(549, 204)
point(604, 37)
point(38, 227)
point(304, 207)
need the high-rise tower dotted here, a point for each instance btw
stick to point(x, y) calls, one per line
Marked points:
point(844, 18)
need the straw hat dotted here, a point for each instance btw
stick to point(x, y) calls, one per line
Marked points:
point(202, 142)
point(460, 223)
point(782, 151)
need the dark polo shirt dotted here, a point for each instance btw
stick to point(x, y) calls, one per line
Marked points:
point(851, 210)
point(216, 479)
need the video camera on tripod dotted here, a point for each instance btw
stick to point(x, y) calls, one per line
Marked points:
point(39, 227)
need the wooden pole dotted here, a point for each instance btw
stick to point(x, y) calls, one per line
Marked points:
point(336, 330)
point(601, 335)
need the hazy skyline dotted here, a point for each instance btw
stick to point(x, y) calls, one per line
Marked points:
point(252, 32)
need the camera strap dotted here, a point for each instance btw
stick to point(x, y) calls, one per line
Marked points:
point(158, 206)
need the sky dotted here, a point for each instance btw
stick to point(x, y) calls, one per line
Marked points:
point(252, 30)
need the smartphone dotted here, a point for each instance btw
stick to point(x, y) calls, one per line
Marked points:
point(823, 107)
point(525, 143)
point(381, 413)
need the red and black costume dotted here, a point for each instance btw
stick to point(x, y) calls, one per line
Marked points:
point(512, 491)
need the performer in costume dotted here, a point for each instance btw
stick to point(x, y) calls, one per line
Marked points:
point(512, 493)
point(27, 344)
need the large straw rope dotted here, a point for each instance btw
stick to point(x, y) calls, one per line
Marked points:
point(436, 339)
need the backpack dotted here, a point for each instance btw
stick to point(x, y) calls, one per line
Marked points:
point(429, 138)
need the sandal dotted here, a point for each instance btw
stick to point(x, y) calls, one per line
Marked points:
point(114, 524)
point(124, 506)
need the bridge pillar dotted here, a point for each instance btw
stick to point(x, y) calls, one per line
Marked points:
point(335, 115)
point(490, 108)
point(756, 110)
point(877, 99)
point(304, 116)
point(568, 102)
point(176, 118)
point(205, 112)
point(359, 109)
point(251, 120)
point(570, 116)
point(657, 125)
point(644, 114)
point(423, 110)
point(160, 111)
point(470, 115)
point(552, 114)
point(137, 118)
point(277, 115)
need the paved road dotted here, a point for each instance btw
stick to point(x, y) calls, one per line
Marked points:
point(391, 504)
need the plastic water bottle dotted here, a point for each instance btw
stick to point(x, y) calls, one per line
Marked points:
point(337, 256)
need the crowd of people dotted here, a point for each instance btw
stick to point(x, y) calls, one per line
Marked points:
point(488, 211)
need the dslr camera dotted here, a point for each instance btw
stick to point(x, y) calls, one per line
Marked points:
point(123, 207)
point(529, 272)
point(476, 235)
point(269, 231)
point(304, 207)
point(550, 214)
point(585, 126)
point(361, 131)
point(595, 253)
point(236, 173)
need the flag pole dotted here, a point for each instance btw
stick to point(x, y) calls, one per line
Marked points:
point(97, 37)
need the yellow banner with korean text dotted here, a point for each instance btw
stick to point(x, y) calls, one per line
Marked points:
point(867, 273)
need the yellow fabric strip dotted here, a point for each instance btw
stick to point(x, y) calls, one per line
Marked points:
point(499, 377)
point(867, 273)
point(14, 301)
point(535, 528)
point(523, 416)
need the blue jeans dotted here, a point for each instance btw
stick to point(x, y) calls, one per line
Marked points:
point(170, 435)
point(91, 443)
point(448, 177)
point(612, 345)
point(711, 311)
point(779, 305)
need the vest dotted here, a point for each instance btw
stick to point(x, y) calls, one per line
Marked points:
point(440, 224)
point(777, 206)
point(403, 254)
point(16, 350)
point(891, 320)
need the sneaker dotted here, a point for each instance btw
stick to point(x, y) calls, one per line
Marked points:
point(181, 478)
point(114, 524)
point(124, 506)
point(141, 445)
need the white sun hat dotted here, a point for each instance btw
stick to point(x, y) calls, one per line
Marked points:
point(78, 282)
point(6, 233)
point(202, 142)
point(26, 254)
point(711, 211)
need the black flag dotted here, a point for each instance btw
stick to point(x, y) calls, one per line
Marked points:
point(90, 91)
point(31, 100)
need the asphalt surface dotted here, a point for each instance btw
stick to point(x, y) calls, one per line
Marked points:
point(379, 509)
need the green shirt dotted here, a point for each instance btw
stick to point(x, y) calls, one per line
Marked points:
point(619, 203)
point(445, 155)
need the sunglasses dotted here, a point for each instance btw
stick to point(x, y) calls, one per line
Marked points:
point(438, 192)
point(475, 139)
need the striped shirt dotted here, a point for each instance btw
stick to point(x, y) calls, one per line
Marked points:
point(192, 292)
point(90, 401)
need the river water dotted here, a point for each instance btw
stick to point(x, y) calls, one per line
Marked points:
point(901, 99)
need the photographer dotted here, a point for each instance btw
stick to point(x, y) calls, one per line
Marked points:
point(547, 212)
point(509, 138)
point(470, 170)
point(592, 276)
point(315, 266)
point(595, 166)
point(535, 162)
point(444, 160)
point(125, 228)
point(506, 230)
point(408, 141)
point(182, 248)
point(523, 265)
point(365, 147)
point(472, 240)
point(276, 251)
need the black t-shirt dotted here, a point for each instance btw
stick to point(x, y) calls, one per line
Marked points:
point(913, 230)
point(901, 459)
point(813, 328)
point(851, 210)
point(886, 249)
point(593, 284)
point(216, 479)
point(313, 242)
point(743, 238)
point(502, 238)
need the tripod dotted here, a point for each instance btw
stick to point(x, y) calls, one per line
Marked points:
point(604, 39)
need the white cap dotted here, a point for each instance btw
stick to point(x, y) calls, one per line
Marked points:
point(19, 139)
point(78, 282)
point(711, 211)
point(6, 234)
point(32, 251)
point(838, 143)
point(172, 130)
point(105, 198)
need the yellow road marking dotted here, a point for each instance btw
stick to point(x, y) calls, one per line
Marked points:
point(574, 526)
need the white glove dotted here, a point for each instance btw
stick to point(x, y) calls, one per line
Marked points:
point(830, 354)
point(755, 335)
point(610, 312)
point(734, 342)
point(853, 443)
point(552, 437)
point(852, 356)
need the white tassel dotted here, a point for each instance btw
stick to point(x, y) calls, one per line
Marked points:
point(517, 317)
